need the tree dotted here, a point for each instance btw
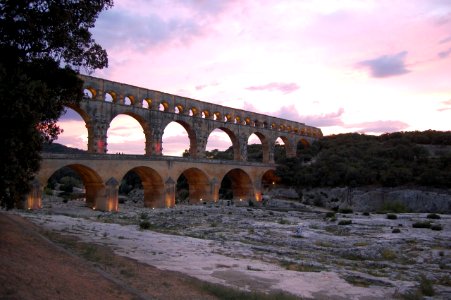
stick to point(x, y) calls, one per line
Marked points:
point(44, 44)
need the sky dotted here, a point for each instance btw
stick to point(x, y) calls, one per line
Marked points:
point(343, 66)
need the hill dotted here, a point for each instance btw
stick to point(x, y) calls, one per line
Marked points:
point(58, 148)
point(389, 160)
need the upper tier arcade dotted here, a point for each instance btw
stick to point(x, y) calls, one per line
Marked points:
point(154, 110)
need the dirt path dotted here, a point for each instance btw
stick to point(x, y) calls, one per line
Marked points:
point(33, 267)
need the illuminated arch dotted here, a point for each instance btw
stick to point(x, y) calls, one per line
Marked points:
point(199, 185)
point(152, 184)
point(91, 180)
point(241, 185)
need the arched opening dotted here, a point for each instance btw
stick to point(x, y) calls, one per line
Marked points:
point(163, 106)
point(193, 112)
point(217, 116)
point(227, 118)
point(110, 97)
point(89, 93)
point(280, 150)
point(221, 144)
point(177, 141)
point(302, 150)
point(255, 148)
point(142, 186)
point(128, 100)
point(146, 103)
point(236, 185)
point(74, 134)
point(130, 189)
point(193, 187)
point(125, 136)
point(301, 146)
point(178, 109)
point(76, 183)
point(269, 181)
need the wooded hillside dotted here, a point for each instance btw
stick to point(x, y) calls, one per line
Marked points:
point(393, 159)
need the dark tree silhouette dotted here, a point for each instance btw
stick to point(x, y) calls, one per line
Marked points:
point(43, 45)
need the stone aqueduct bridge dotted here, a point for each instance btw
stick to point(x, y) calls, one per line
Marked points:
point(154, 110)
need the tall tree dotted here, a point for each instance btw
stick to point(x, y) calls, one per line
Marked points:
point(43, 45)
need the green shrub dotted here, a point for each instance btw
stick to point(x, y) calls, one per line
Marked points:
point(330, 214)
point(68, 188)
point(144, 224)
point(437, 227)
point(392, 216)
point(425, 224)
point(48, 191)
point(388, 254)
point(396, 230)
point(394, 207)
point(345, 222)
point(283, 221)
point(433, 216)
point(366, 213)
point(345, 210)
point(426, 286)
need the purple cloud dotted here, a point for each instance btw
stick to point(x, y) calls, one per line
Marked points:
point(445, 40)
point(379, 126)
point(286, 88)
point(119, 28)
point(386, 65)
point(444, 54)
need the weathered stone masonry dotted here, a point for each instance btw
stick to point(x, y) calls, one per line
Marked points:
point(101, 172)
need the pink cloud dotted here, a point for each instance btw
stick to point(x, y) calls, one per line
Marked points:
point(286, 88)
point(324, 120)
point(446, 106)
point(379, 126)
point(203, 86)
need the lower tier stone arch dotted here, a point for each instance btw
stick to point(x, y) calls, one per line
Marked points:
point(101, 174)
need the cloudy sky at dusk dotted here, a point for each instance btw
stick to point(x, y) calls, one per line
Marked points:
point(343, 66)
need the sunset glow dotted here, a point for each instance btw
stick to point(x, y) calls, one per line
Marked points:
point(342, 66)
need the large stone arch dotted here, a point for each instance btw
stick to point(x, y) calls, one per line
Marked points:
point(153, 186)
point(199, 185)
point(87, 118)
point(265, 145)
point(269, 180)
point(242, 186)
point(92, 181)
point(147, 130)
point(233, 138)
point(193, 147)
point(290, 146)
point(300, 142)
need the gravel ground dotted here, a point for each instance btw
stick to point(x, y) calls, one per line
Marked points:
point(284, 246)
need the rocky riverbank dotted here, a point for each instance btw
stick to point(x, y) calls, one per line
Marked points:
point(372, 199)
point(304, 250)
